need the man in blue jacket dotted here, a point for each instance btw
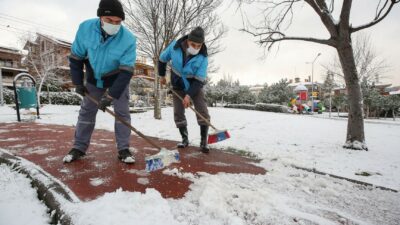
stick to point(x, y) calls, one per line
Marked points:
point(107, 50)
point(189, 62)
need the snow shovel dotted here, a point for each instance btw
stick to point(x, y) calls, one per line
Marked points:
point(218, 135)
point(154, 162)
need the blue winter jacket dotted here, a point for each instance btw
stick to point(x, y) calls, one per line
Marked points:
point(187, 73)
point(109, 61)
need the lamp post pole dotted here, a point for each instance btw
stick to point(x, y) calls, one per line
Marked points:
point(312, 83)
point(1, 88)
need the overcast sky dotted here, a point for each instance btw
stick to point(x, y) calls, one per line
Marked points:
point(242, 58)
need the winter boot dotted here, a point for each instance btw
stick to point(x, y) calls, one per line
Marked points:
point(73, 155)
point(203, 142)
point(185, 139)
point(126, 156)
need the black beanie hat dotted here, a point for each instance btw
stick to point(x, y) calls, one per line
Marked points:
point(197, 35)
point(111, 8)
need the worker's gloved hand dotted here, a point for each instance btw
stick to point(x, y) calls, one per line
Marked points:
point(105, 102)
point(80, 89)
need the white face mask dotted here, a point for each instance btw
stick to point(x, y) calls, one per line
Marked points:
point(193, 51)
point(111, 29)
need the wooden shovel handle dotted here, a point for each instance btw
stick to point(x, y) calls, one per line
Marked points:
point(125, 123)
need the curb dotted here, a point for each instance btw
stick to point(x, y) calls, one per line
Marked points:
point(344, 178)
point(49, 190)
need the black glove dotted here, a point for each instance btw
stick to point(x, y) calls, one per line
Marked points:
point(105, 102)
point(80, 89)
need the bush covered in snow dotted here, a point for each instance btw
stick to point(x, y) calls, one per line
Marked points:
point(271, 108)
point(260, 107)
point(60, 98)
point(241, 106)
point(8, 96)
point(57, 98)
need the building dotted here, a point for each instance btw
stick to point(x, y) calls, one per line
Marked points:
point(255, 90)
point(48, 55)
point(142, 68)
point(10, 65)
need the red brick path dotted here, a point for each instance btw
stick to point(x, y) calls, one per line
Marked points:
point(100, 171)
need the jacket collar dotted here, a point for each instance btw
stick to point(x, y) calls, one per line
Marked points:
point(179, 42)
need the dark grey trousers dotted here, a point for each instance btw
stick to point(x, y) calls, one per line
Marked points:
point(200, 105)
point(87, 119)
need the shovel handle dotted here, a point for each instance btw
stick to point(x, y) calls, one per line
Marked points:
point(194, 110)
point(125, 123)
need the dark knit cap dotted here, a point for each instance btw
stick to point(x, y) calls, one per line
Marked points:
point(197, 35)
point(111, 8)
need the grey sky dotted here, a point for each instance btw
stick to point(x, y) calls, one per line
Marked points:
point(242, 58)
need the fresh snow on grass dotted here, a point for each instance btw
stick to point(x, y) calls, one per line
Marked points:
point(284, 195)
point(302, 140)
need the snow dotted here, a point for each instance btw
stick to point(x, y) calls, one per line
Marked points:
point(97, 181)
point(303, 140)
point(284, 195)
point(17, 197)
point(121, 208)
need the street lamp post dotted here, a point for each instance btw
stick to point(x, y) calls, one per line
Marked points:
point(1, 88)
point(312, 83)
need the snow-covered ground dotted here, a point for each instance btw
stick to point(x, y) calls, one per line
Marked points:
point(18, 200)
point(283, 196)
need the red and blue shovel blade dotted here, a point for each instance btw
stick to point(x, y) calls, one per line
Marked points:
point(218, 136)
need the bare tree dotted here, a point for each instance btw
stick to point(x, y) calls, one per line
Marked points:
point(157, 23)
point(370, 66)
point(43, 64)
point(278, 16)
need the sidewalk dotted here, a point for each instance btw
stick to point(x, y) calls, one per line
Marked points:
point(100, 171)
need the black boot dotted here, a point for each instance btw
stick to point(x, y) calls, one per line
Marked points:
point(73, 155)
point(203, 142)
point(185, 139)
point(126, 156)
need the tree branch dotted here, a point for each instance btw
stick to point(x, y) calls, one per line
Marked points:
point(271, 40)
point(378, 17)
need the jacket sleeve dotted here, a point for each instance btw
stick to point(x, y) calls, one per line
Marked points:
point(165, 57)
point(195, 86)
point(126, 68)
point(77, 57)
point(198, 80)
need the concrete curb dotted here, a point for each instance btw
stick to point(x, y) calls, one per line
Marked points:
point(49, 190)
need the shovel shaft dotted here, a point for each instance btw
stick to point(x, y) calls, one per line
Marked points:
point(194, 110)
point(125, 123)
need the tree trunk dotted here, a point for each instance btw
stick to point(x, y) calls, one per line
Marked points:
point(157, 100)
point(355, 138)
point(40, 89)
point(394, 115)
point(48, 94)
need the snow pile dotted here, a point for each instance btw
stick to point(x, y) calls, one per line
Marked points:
point(122, 208)
point(19, 198)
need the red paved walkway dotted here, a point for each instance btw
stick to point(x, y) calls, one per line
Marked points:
point(100, 171)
